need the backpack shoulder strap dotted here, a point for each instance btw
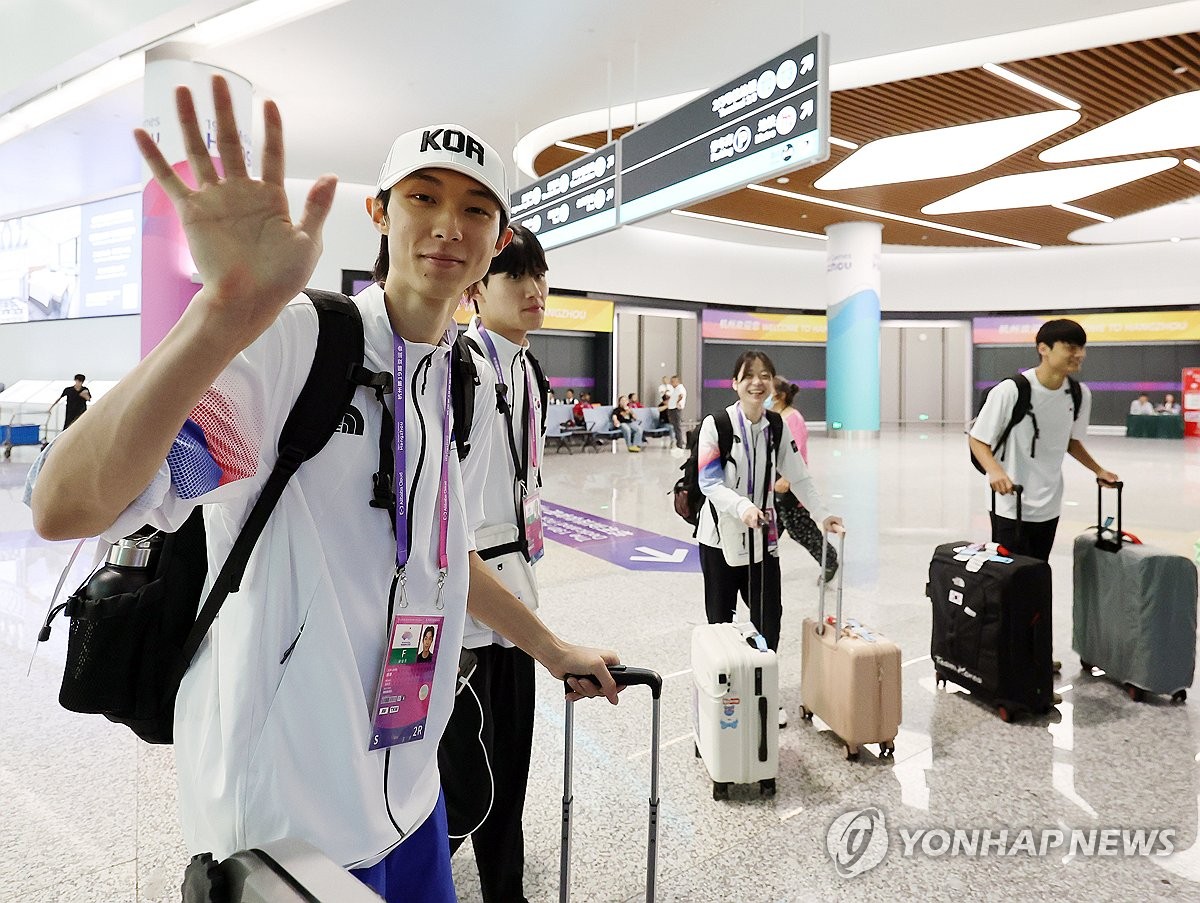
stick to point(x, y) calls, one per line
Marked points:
point(464, 378)
point(543, 383)
point(315, 416)
point(1024, 398)
point(775, 424)
point(1021, 407)
point(1076, 396)
point(724, 435)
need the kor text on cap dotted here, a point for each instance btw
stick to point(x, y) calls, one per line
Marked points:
point(454, 141)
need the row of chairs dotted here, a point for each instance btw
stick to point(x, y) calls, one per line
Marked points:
point(598, 427)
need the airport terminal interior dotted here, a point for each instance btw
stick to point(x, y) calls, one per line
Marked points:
point(989, 167)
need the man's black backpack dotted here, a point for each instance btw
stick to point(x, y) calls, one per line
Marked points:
point(129, 646)
point(688, 499)
point(1022, 409)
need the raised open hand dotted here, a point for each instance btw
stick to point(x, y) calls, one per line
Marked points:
point(251, 257)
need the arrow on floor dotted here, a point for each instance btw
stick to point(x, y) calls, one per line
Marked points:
point(658, 555)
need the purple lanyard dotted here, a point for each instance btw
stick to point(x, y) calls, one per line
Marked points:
point(401, 478)
point(750, 449)
point(533, 400)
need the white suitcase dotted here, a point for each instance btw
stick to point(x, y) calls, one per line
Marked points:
point(735, 704)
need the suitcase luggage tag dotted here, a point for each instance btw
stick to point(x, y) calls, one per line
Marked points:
point(858, 629)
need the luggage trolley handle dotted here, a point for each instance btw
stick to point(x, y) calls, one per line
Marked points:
point(841, 574)
point(1019, 490)
point(624, 677)
point(1108, 545)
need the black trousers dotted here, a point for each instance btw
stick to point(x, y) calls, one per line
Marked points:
point(1035, 540)
point(757, 583)
point(798, 524)
point(504, 682)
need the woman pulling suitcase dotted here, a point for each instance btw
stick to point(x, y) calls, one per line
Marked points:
point(740, 453)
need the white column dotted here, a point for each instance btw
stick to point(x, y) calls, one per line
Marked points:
point(167, 267)
point(852, 347)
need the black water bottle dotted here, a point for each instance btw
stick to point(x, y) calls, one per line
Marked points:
point(129, 566)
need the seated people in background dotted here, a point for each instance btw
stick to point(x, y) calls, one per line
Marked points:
point(585, 401)
point(626, 421)
point(1169, 405)
point(569, 398)
point(551, 398)
point(1142, 405)
point(633, 402)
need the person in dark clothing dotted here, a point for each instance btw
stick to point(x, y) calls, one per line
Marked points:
point(77, 396)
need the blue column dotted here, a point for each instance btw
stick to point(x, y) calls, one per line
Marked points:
point(852, 348)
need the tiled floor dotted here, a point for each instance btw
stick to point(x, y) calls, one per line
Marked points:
point(87, 812)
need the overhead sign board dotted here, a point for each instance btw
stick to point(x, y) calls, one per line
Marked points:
point(575, 201)
point(769, 121)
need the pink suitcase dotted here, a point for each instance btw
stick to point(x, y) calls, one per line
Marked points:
point(850, 676)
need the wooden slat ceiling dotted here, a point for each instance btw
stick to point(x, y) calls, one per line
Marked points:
point(1108, 82)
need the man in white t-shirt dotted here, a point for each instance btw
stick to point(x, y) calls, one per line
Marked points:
point(276, 730)
point(676, 402)
point(1141, 405)
point(1033, 452)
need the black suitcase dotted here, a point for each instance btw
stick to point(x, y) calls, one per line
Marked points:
point(992, 629)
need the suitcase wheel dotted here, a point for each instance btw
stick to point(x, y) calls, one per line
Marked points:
point(806, 714)
point(1179, 696)
point(940, 682)
point(887, 749)
point(1137, 694)
point(767, 787)
point(720, 790)
point(851, 753)
point(1005, 715)
point(1086, 667)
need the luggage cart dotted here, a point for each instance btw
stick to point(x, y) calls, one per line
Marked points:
point(14, 434)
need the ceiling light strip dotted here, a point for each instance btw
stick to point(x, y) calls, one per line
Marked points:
point(567, 145)
point(1194, 164)
point(1079, 211)
point(841, 142)
point(738, 222)
point(72, 95)
point(970, 233)
point(1040, 90)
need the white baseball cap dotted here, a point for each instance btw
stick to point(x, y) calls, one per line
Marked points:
point(446, 146)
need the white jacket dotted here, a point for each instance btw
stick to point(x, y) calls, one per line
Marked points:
point(274, 717)
point(501, 495)
point(727, 488)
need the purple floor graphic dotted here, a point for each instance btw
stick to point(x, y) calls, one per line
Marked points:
point(630, 547)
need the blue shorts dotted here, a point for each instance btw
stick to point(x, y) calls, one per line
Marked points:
point(417, 871)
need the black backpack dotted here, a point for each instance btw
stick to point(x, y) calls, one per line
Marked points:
point(127, 653)
point(1021, 409)
point(688, 499)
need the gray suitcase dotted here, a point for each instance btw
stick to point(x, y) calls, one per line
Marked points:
point(1134, 611)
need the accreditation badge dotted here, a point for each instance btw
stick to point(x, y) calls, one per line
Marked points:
point(532, 507)
point(406, 682)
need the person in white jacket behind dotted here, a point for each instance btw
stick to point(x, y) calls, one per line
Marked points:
point(737, 532)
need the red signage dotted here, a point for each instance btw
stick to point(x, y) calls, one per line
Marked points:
point(1191, 401)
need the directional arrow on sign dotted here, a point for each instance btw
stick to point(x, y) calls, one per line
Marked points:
point(806, 109)
point(650, 554)
point(807, 63)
